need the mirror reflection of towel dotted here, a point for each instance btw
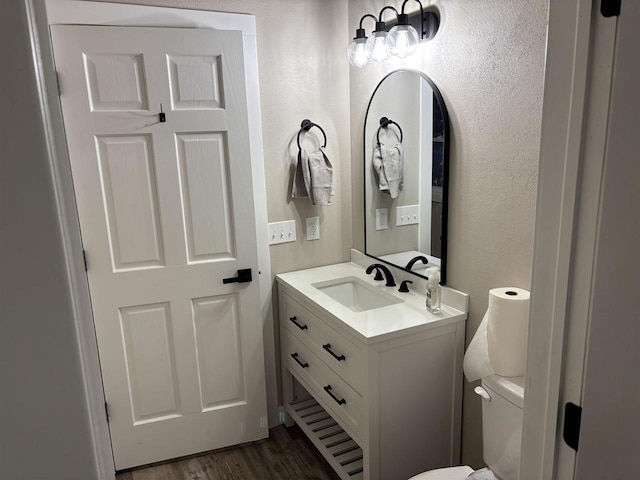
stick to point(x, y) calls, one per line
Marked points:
point(313, 177)
point(388, 163)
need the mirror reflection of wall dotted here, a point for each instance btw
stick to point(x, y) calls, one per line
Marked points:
point(411, 224)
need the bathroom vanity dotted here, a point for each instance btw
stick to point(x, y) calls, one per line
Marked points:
point(381, 377)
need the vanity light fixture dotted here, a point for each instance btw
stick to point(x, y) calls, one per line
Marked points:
point(398, 38)
point(380, 40)
point(359, 50)
point(403, 38)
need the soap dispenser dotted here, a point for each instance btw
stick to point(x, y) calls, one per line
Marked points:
point(433, 291)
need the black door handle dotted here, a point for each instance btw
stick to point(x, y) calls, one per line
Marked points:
point(244, 276)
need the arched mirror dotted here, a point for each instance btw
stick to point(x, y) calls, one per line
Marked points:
point(406, 163)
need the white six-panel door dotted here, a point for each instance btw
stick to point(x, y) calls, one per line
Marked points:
point(166, 212)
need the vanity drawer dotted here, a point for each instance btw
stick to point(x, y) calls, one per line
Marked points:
point(341, 355)
point(343, 402)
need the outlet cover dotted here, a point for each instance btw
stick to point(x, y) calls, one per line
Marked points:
point(313, 228)
point(382, 219)
point(282, 232)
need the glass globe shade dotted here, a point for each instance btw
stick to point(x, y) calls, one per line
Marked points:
point(359, 52)
point(378, 44)
point(402, 40)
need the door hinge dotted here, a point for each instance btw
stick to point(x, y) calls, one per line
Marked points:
point(84, 256)
point(610, 8)
point(571, 430)
point(58, 83)
point(106, 410)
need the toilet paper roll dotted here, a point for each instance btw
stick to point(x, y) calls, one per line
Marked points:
point(499, 345)
point(507, 329)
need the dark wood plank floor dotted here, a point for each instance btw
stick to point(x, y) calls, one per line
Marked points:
point(286, 454)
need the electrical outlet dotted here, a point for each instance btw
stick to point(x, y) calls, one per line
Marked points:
point(282, 232)
point(313, 228)
point(382, 219)
point(407, 215)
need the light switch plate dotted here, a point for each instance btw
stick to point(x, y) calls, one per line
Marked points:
point(282, 232)
point(313, 228)
point(407, 215)
point(382, 219)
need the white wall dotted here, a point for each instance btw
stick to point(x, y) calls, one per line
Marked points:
point(44, 425)
point(487, 59)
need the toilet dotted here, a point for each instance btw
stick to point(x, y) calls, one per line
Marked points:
point(502, 405)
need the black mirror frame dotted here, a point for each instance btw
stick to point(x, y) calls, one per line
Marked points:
point(445, 174)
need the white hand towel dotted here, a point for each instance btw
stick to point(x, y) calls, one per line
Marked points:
point(388, 163)
point(313, 177)
point(321, 174)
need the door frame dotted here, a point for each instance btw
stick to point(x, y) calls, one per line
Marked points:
point(78, 12)
point(580, 46)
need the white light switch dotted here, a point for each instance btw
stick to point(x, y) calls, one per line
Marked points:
point(382, 219)
point(282, 232)
point(407, 215)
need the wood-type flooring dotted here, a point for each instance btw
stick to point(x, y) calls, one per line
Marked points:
point(286, 455)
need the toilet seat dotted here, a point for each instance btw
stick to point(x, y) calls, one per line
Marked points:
point(451, 473)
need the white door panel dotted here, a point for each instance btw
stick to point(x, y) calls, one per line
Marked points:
point(166, 212)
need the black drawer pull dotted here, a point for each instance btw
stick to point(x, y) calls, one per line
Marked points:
point(327, 347)
point(339, 401)
point(302, 364)
point(294, 320)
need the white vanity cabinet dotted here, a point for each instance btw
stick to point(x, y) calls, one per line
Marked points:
point(384, 386)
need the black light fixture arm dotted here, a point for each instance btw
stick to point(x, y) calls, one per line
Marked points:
point(423, 33)
point(380, 25)
point(360, 31)
point(385, 8)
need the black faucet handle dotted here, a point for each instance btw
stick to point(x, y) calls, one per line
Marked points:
point(414, 260)
point(403, 286)
point(378, 274)
point(377, 268)
point(385, 270)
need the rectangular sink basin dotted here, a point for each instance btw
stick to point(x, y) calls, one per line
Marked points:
point(355, 294)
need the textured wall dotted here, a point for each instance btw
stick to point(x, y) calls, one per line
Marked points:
point(487, 60)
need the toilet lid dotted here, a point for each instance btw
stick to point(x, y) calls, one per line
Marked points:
point(451, 473)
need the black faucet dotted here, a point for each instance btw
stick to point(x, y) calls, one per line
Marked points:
point(387, 273)
point(412, 262)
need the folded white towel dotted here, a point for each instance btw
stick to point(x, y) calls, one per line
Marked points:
point(313, 177)
point(388, 163)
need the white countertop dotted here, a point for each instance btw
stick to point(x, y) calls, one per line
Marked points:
point(371, 325)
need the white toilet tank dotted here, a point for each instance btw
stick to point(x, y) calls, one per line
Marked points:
point(502, 424)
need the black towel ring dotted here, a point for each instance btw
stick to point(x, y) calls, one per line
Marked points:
point(305, 126)
point(384, 123)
